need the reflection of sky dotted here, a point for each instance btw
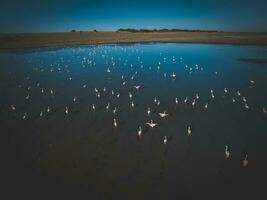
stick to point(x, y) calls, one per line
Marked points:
point(34, 15)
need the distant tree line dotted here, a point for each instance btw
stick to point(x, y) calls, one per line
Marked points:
point(73, 31)
point(132, 30)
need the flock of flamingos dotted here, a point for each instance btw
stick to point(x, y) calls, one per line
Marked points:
point(131, 81)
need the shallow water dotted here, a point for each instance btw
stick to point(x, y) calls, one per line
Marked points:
point(83, 153)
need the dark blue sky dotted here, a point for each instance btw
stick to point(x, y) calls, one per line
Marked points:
point(59, 15)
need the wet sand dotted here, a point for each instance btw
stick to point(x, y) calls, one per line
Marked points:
point(36, 40)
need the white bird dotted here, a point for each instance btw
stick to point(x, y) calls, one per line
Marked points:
point(41, 113)
point(114, 110)
point(66, 110)
point(48, 109)
point(193, 103)
point(137, 87)
point(227, 152)
point(115, 122)
point(246, 106)
point(189, 131)
point(107, 106)
point(165, 139)
point(155, 100)
point(185, 100)
point(225, 90)
point(93, 106)
point(264, 110)
point(74, 99)
point(238, 93)
point(173, 75)
point(51, 92)
point(130, 95)
point(24, 116)
point(13, 107)
point(245, 161)
point(148, 111)
point(42, 90)
point(140, 131)
point(197, 97)
point(206, 105)
point(158, 102)
point(132, 104)
point(252, 82)
point(176, 100)
point(163, 114)
point(233, 100)
point(151, 124)
point(212, 94)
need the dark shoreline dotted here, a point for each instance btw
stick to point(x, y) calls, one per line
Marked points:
point(253, 60)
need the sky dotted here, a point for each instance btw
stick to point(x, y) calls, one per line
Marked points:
point(109, 15)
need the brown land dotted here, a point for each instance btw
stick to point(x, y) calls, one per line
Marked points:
point(33, 40)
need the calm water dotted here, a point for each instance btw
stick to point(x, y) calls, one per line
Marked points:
point(54, 142)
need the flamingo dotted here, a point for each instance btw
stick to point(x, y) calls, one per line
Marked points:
point(115, 122)
point(148, 111)
point(163, 114)
point(173, 75)
point(139, 131)
point(13, 107)
point(165, 139)
point(189, 131)
point(245, 161)
point(227, 152)
point(151, 124)
point(137, 87)
point(66, 110)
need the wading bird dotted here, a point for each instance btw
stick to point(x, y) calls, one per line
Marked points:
point(165, 139)
point(227, 152)
point(151, 124)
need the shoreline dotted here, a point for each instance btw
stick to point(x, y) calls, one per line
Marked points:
point(11, 41)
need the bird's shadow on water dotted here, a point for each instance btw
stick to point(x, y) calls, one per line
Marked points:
point(165, 154)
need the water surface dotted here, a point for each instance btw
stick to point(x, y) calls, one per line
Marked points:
point(83, 153)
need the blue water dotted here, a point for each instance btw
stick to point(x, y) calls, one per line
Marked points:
point(84, 152)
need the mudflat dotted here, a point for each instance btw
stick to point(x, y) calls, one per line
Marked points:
point(37, 40)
